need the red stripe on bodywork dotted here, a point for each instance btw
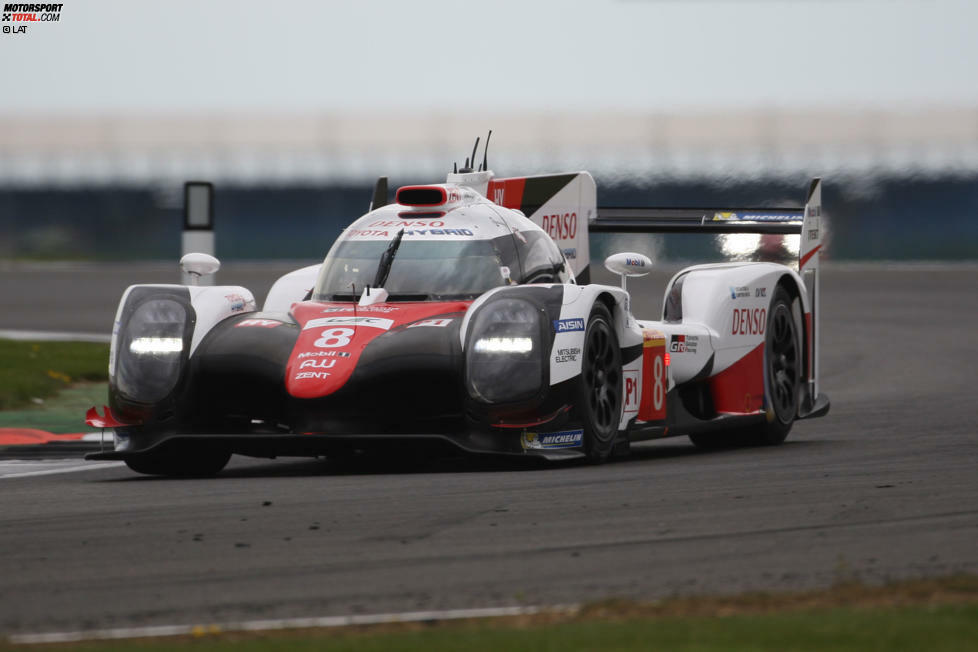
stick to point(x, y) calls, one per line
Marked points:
point(507, 192)
point(324, 357)
point(739, 389)
point(655, 379)
point(807, 257)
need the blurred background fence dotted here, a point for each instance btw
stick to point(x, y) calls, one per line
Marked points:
point(898, 185)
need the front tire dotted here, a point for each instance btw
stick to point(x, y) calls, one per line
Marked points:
point(600, 386)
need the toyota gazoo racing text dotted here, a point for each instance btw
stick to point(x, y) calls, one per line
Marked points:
point(461, 317)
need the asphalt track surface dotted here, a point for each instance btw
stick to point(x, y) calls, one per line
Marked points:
point(885, 487)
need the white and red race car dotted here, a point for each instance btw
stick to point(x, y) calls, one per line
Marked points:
point(461, 316)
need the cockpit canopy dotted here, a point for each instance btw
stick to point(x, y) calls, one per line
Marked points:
point(459, 255)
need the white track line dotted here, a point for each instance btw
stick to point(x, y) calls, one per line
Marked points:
point(12, 469)
point(286, 623)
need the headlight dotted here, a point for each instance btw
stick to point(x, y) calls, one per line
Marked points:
point(505, 356)
point(151, 350)
point(156, 345)
point(504, 345)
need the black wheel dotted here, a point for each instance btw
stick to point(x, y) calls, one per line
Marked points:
point(180, 462)
point(600, 386)
point(783, 360)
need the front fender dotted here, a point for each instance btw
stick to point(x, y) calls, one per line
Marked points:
point(156, 330)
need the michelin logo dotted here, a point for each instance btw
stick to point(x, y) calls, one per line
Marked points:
point(568, 325)
point(552, 440)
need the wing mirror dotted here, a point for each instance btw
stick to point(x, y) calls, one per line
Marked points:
point(196, 265)
point(628, 264)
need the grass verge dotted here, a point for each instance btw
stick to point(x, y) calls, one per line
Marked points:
point(31, 372)
point(918, 615)
point(61, 413)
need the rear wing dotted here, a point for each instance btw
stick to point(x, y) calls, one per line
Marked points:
point(806, 221)
point(697, 220)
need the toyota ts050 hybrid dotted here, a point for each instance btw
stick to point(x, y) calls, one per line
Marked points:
point(461, 315)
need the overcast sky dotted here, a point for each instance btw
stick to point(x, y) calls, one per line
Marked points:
point(552, 55)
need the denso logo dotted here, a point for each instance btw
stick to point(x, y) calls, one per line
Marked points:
point(567, 325)
point(408, 224)
point(749, 322)
point(561, 227)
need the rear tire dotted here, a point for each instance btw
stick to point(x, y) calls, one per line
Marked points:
point(782, 374)
point(600, 386)
point(782, 369)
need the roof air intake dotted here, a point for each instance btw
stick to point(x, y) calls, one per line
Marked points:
point(421, 196)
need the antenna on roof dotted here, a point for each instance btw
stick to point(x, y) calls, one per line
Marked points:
point(470, 161)
point(485, 152)
point(455, 167)
point(474, 148)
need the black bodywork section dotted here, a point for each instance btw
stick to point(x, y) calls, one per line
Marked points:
point(408, 388)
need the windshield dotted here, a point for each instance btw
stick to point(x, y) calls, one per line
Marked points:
point(421, 269)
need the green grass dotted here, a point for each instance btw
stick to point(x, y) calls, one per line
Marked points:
point(62, 413)
point(32, 371)
point(929, 614)
point(946, 627)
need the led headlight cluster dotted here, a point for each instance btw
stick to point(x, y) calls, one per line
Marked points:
point(505, 354)
point(151, 350)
